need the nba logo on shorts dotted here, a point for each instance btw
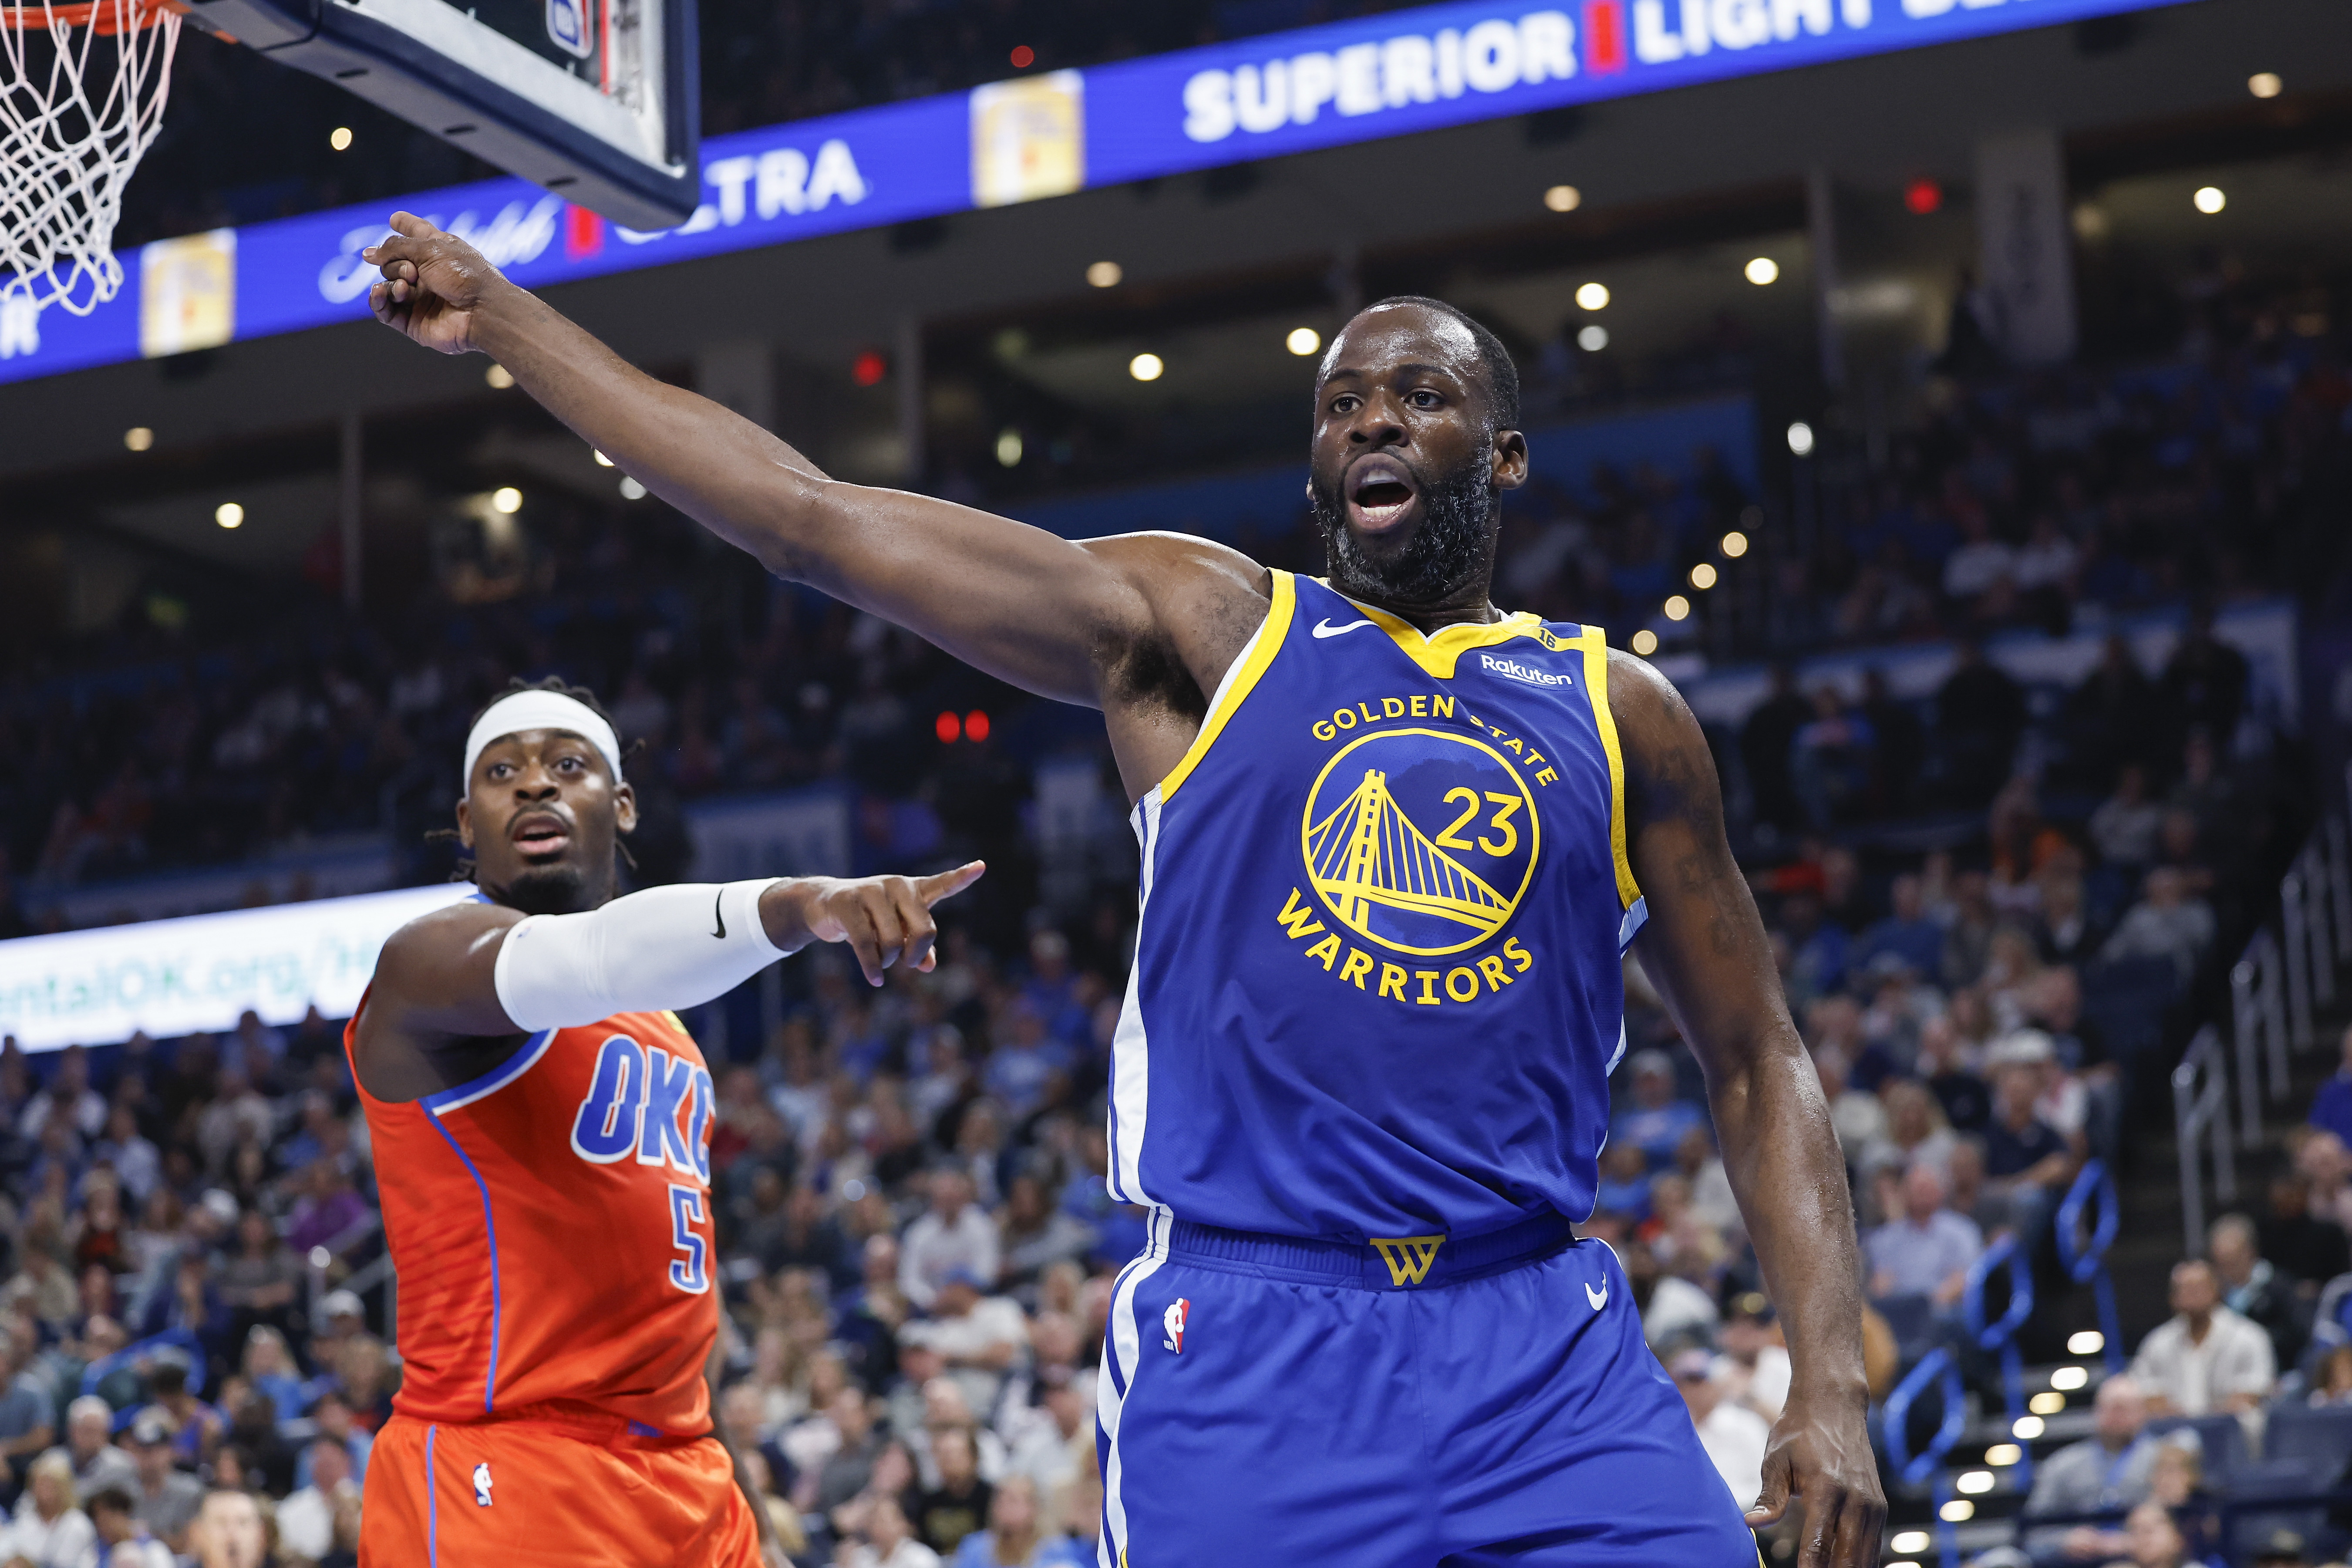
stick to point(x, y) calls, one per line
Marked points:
point(567, 25)
point(1173, 1322)
point(482, 1484)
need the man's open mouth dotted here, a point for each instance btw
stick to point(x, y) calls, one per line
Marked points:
point(1379, 491)
point(541, 834)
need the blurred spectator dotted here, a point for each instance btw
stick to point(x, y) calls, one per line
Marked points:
point(1928, 1250)
point(2106, 1472)
point(2112, 718)
point(2309, 1250)
point(1765, 740)
point(1624, 1186)
point(306, 1520)
point(2027, 1163)
point(977, 1339)
point(1656, 1121)
point(886, 1541)
point(1672, 1308)
point(959, 1505)
point(2332, 1107)
point(229, 1531)
point(953, 1233)
point(1906, 931)
point(2153, 1539)
point(1859, 1119)
point(1979, 712)
point(2253, 1290)
point(2123, 826)
point(26, 1411)
point(49, 1531)
point(123, 1541)
point(95, 1463)
point(2204, 682)
point(1966, 1099)
point(2167, 922)
point(1753, 1366)
point(2205, 1359)
point(167, 1497)
point(1017, 1535)
point(1733, 1435)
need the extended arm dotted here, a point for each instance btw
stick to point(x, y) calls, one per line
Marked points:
point(1705, 949)
point(484, 971)
point(1038, 611)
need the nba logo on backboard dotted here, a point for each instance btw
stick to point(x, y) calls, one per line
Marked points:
point(567, 23)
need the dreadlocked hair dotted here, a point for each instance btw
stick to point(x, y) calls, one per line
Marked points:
point(463, 871)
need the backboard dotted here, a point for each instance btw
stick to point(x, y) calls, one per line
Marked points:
point(595, 99)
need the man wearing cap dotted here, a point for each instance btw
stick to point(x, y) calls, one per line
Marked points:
point(1733, 1435)
point(166, 1497)
point(541, 1126)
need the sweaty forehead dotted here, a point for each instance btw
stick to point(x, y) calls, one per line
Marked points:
point(1391, 334)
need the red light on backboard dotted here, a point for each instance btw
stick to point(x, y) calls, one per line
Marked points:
point(947, 728)
point(1023, 57)
point(975, 725)
point(868, 368)
point(1922, 196)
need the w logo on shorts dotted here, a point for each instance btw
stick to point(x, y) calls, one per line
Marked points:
point(1172, 1320)
point(1408, 1256)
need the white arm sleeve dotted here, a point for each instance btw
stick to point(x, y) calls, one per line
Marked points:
point(667, 947)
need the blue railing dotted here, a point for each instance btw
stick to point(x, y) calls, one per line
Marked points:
point(1999, 1336)
point(1941, 1367)
point(181, 1339)
point(2086, 1261)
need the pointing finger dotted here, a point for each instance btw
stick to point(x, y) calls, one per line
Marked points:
point(947, 884)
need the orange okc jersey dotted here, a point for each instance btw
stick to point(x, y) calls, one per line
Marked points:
point(550, 1224)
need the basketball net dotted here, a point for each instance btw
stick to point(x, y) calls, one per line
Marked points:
point(81, 97)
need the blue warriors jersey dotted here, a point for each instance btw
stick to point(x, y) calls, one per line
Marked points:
point(1376, 987)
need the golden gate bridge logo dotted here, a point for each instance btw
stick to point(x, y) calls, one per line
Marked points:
point(1387, 879)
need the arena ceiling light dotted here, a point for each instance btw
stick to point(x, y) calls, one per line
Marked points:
point(602, 461)
point(1008, 449)
point(1593, 339)
point(1303, 340)
point(1593, 296)
point(340, 138)
point(2210, 199)
point(139, 437)
point(506, 500)
point(498, 376)
point(1644, 642)
point(1801, 438)
point(1678, 608)
point(631, 490)
point(1702, 577)
point(1146, 367)
point(2266, 84)
point(1563, 198)
point(229, 514)
point(1762, 269)
point(1105, 275)
point(1734, 545)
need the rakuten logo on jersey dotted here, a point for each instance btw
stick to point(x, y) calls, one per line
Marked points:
point(646, 1102)
point(1512, 669)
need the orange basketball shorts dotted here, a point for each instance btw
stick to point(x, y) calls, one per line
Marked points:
point(534, 1494)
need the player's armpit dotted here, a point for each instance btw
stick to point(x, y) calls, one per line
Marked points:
point(435, 978)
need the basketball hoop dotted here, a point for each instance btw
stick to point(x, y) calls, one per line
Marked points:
point(74, 117)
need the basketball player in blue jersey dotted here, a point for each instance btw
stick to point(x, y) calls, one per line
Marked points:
point(1395, 842)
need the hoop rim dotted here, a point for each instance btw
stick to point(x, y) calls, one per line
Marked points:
point(103, 17)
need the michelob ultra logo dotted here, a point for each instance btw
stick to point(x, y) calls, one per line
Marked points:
point(1421, 841)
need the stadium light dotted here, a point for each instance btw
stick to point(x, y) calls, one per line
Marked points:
point(2046, 1402)
point(1763, 269)
point(631, 490)
point(2026, 1428)
point(1734, 545)
point(1702, 575)
point(507, 499)
point(602, 461)
point(340, 138)
point(1801, 438)
point(1593, 296)
point(1105, 275)
point(1303, 340)
point(2090, 1342)
point(498, 376)
point(1960, 1511)
point(1008, 449)
point(1911, 1541)
point(2001, 1455)
point(2266, 84)
point(139, 437)
point(1563, 198)
point(1645, 642)
point(2210, 199)
point(1593, 339)
point(2067, 1379)
point(1678, 608)
point(1146, 367)
point(229, 514)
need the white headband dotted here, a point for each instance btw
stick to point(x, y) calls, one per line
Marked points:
point(542, 710)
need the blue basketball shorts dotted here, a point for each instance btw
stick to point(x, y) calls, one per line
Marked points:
point(1418, 1402)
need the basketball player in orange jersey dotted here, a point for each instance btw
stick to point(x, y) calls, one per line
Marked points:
point(541, 1128)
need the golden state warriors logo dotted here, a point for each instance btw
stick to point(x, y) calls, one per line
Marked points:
point(1420, 841)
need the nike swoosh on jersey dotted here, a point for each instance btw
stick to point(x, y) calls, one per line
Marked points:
point(1600, 1297)
point(1323, 628)
point(719, 913)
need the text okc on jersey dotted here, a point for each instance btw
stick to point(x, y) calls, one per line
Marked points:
point(1512, 669)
